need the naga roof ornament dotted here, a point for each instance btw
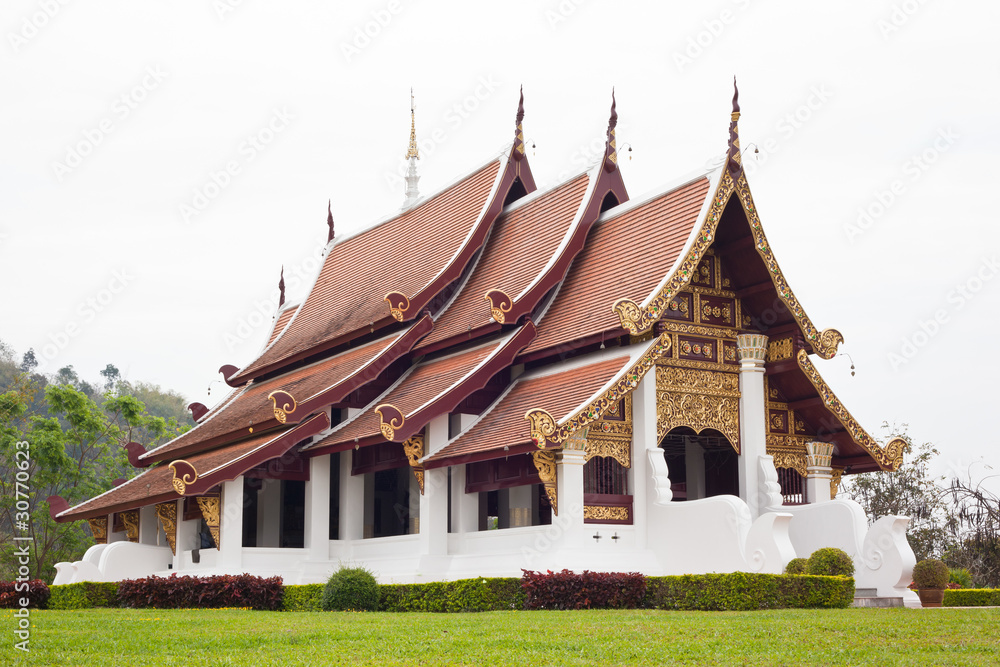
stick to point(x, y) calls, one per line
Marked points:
point(611, 152)
point(329, 221)
point(519, 130)
point(734, 162)
point(281, 287)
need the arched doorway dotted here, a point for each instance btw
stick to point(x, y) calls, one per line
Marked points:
point(700, 465)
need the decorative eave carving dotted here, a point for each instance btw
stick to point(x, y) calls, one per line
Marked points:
point(184, 474)
point(413, 447)
point(99, 528)
point(638, 319)
point(131, 521)
point(546, 433)
point(166, 513)
point(283, 404)
point(135, 450)
point(545, 464)
point(888, 458)
point(398, 305)
point(500, 305)
point(612, 438)
point(390, 419)
point(210, 507)
point(198, 410)
point(228, 371)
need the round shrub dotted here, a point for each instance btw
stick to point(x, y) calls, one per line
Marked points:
point(830, 562)
point(796, 566)
point(930, 573)
point(351, 589)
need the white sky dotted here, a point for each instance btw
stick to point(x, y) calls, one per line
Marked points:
point(839, 97)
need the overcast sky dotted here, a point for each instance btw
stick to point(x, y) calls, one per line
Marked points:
point(161, 162)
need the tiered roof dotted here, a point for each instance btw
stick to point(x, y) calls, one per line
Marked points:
point(409, 319)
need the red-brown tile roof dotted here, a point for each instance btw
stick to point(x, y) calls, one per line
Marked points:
point(521, 243)
point(402, 254)
point(253, 407)
point(626, 256)
point(424, 383)
point(279, 326)
point(151, 485)
point(559, 393)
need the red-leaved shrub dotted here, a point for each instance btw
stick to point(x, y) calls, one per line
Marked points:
point(589, 590)
point(184, 592)
point(11, 593)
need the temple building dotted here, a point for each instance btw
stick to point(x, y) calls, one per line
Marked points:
point(497, 378)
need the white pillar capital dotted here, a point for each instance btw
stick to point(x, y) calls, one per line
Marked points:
point(752, 349)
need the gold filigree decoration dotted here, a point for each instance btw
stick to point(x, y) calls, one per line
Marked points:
point(605, 513)
point(777, 350)
point(680, 305)
point(700, 330)
point(542, 425)
point(889, 457)
point(788, 452)
point(413, 447)
point(777, 422)
point(835, 482)
point(390, 419)
point(545, 464)
point(500, 305)
point(99, 528)
point(131, 521)
point(184, 474)
point(623, 384)
point(612, 438)
point(718, 312)
point(398, 304)
point(699, 400)
point(166, 513)
point(287, 407)
point(210, 507)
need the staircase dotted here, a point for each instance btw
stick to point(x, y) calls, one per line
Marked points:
point(868, 597)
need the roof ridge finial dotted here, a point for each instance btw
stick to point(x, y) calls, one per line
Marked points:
point(413, 152)
point(329, 221)
point(734, 163)
point(281, 287)
point(611, 151)
point(519, 130)
point(412, 155)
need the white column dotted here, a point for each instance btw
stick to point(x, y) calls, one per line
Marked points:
point(269, 513)
point(231, 530)
point(148, 525)
point(352, 498)
point(569, 493)
point(644, 438)
point(434, 501)
point(464, 506)
point(819, 474)
point(187, 537)
point(753, 417)
point(317, 519)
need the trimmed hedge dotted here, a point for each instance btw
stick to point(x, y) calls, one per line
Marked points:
point(85, 595)
point(744, 591)
point(972, 597)
point(35, 590)
point(307, 597)
point(464, 595)
point(588, 590)
point(185, 592)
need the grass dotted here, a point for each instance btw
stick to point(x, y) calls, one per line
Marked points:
point(790, 637)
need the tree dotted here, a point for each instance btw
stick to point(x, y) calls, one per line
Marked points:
point(909, 491)
point(76, 453)
point(111, 377)
point(975, 527)
point(28, 362)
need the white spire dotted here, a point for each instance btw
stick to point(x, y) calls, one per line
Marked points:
point(412, 155)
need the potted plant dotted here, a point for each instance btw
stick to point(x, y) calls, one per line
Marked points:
point(931, 578)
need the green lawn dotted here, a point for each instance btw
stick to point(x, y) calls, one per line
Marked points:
point(233, 637)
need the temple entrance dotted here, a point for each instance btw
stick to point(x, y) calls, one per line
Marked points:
point(701, 465)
